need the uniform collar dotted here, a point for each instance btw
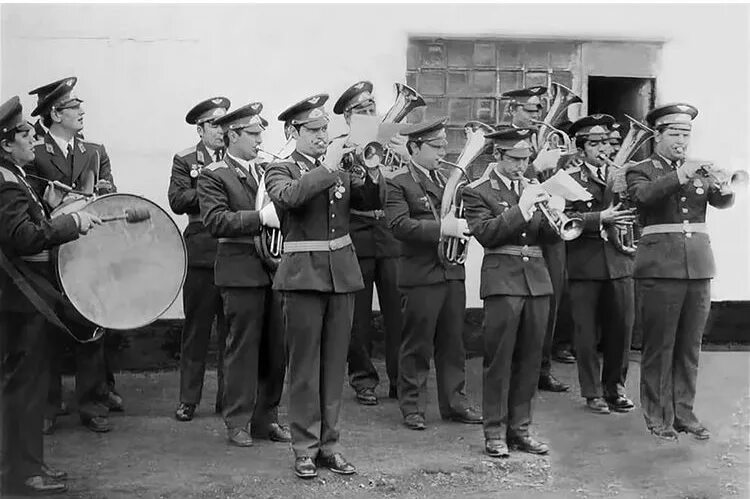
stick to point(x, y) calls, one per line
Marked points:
point(61, 143)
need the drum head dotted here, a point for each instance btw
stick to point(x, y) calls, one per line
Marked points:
point(124, 275)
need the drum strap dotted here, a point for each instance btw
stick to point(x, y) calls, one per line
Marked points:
point(22, 278)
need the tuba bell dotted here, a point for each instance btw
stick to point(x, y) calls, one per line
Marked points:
point(453, 250)
point(549, 134)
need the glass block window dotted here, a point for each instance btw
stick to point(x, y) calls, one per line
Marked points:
point(464, 78)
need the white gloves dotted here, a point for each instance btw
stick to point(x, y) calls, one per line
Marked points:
point(454, 227)
point(268, 216)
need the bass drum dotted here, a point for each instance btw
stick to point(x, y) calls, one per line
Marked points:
point(122, 275)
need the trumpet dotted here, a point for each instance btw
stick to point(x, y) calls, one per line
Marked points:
point(568, 228)
point(719, 178)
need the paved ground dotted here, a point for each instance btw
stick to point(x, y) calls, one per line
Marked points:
point(149, 454)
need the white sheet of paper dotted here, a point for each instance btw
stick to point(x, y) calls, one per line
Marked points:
point(562, 184)
point(363, 129)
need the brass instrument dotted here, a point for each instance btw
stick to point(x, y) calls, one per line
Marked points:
point(269, 243)
point(568, 228)
point(549, 135)
point(717, 178)
point(454, 250)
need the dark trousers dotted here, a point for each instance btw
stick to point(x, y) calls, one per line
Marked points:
point(433, 324)
point(514, 328)
point(383, 273)
point(318, 326)
point(606, 306)
point(201, 302)
point(90, 373)
point(555, 257)
point(24, 365)
point(254, 358)
point(674, 316)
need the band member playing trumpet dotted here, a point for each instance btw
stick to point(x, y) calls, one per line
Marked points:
point(254, 355)
point(433, 296)
point(377, 252)
point(26, 236)
point(318, 276)
point(201, 299)
point(61, 155)
point(599, 276)
point(674, 265)
point(515, 286)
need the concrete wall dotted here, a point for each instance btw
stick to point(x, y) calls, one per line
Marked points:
point(141, 67)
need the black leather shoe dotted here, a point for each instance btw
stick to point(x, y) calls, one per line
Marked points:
point(597, 405)
point(466, 416)
point(97, 424)
point(185, 412)
point(414, 421)
point(564, 356)
point(496, 447)
point(274, 432)
point(41, 485)
point(48, 426)
point(53, 473)
point(304, 467)
point(528, 444)
point(239, 437)
point(667, 434)
point(113, 401)
point(366, 396)
point(393, 392)
point(620, 403)
point(699, 432)
point(337, 464)
point(549, 383)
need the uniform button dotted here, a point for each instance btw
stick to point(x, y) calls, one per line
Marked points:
point(333, 215)
point(333, 230)
point(525, 259)
point(75, 185)
point(525, 246)
point(331, 201)
point(684, 210)
point(683, 199)
point(523, 234)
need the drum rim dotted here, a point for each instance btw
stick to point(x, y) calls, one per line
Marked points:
point(184, 270)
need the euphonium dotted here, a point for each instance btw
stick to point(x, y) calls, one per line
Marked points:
point(556, 116)
point(453, 250)
point(407, 100)
point(269, 244)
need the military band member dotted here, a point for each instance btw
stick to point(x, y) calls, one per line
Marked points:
point(318, 276)
point(377, 252)
point(226, 192)
point(433, 296)
point(26, 236)
point(674, 265)
point(599, 275)
point(201, 300)
point(515, 286)
point(61, 155)
point(525, 109)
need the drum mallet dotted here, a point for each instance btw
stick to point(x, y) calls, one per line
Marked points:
point(131, 216)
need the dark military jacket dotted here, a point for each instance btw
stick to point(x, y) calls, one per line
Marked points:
point(495, 220)
point(183, 199)
point(50, 163)
point(226, 192)
point(305, 196)
point(413, 223)
point(104, 169)
point(590, 256)
point(660, 199)
point(25, 230)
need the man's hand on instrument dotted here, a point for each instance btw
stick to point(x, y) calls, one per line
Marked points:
point(334, 154)
point(454, 227)
point(269, 217)
point(615, 214)
point(53, 195)
point(689, 169)
point(103, 187)
point(86, 221)
point(547, 160)
point(531, 195)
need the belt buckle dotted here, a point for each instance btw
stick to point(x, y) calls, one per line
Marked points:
point(331, 245)
point(525, 251)
point(378, 214)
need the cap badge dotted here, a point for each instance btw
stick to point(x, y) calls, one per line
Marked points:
point(254, 107)
point(523, 132)
point(69, 82)
point(217, 101)
point(314, 100)
point(359, 85)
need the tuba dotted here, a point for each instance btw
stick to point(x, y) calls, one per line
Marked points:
point(269, 243)
point(453, 250)
point(549, 134)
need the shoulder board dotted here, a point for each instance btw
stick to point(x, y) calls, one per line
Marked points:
point(91, 142)
point(187, 151)
point(573, 169)
point(8, 175)
point(395, 172)
point(215, 166)
point(478, 182)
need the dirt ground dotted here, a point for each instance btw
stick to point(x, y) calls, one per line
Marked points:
point(149, 454)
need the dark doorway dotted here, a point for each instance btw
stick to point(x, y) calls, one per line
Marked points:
point(619, 96)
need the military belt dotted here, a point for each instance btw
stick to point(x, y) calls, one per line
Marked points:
point(376, 214)
point(685, 227)
point(237, 240)
point(515, 250)
point(332, 245)
point(39, 257)
point(192, 217)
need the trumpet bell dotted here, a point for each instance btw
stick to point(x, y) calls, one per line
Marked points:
point(571, 228)
point(740, 178)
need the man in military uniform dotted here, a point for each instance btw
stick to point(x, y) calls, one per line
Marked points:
point(525, 109)
point(201, 300)
point(318, 276)
point(26, 236)
point(515, 286)
point(377, 252)
point(599, 275)
point(433, 296)
point(62, 156)
point(226, 192)
point(674, 265)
